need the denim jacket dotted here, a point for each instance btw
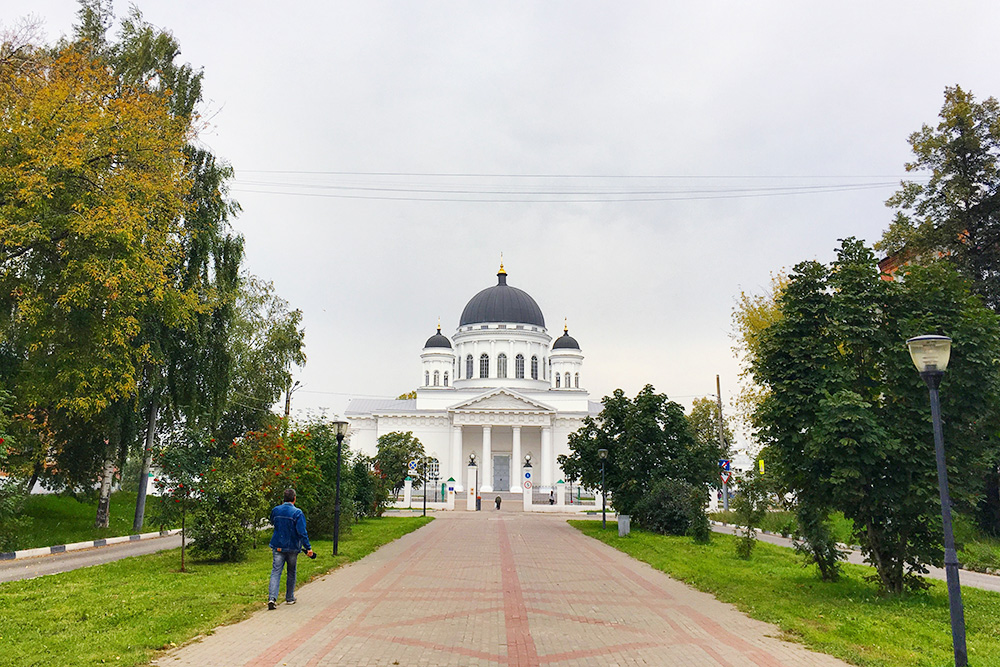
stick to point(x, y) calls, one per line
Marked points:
point(289, 528)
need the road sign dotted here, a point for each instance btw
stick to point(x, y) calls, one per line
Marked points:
point(412, 465)
point(527, 483)
point(724, 464)
point(725, 477)
point(527, 475)
point(761, 462)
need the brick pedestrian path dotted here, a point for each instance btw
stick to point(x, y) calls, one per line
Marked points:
point(497, 588)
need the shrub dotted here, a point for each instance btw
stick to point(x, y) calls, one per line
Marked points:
point(674, 507)
point(750, 507)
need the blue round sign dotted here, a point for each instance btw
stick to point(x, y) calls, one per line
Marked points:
point(527, 475)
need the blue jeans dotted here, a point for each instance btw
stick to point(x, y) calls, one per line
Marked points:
point(280, 559)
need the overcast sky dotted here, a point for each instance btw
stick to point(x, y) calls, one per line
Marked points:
point(638, 164)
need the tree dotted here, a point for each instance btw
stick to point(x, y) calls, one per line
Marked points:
point(957, 212)
point(753, 314)
point(749, 505)
point(395, 451)
point(647, 439)
point(704, 421)
point(846, 416)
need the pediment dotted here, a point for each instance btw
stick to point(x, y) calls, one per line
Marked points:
point(501, 400)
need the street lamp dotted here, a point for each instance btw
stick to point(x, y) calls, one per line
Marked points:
point(603, 453)
point(472, 463)
point(930, 355)
point(341, 429)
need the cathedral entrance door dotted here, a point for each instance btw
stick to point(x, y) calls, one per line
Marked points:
point(501, 472)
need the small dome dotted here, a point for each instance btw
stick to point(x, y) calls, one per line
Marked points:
point(502, 303)
point(565, 342)
point(438, 340)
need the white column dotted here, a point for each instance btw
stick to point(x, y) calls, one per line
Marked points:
point(560, 493)
point(407, 492)
point(486, 483)
point(527, 491)
point(470, 496)
point(515, 460)
point(548, 463)
point(456, 457)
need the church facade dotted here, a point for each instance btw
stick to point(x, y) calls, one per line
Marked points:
point(500, 392)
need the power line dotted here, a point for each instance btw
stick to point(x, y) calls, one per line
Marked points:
point(620, 176)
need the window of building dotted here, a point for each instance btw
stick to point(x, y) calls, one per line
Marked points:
point(427, 378)
point(468, 367)
point(501, 365)
point(485, 326)
point(534, 368)
point(557, 380)
point(446, 379)
point(437, 379)
point(576, 380)
point(484, 365)
point(568, 385)
point(519, 367)
point(501, 326)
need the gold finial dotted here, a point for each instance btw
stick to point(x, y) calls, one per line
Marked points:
point(565, 325)
point(501, 265)
point(439, 325)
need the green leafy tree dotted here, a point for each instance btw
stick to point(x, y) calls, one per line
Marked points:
point(704, 420)
point(750, 505)
point(395, 451)
point(955, 214)
point(957, 211)
point(675, 507)
point(11, 494)
point(846, 416)
point(648, 439)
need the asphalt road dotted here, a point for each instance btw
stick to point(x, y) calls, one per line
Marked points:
point(28, 568)
point(968, 578)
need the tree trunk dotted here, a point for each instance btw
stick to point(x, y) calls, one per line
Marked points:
point(147, 460)
point(34, 477)
point(104, 504)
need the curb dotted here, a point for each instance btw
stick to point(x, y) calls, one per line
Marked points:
point(76, 546)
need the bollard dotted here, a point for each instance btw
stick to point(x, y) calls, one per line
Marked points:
point(624, 524)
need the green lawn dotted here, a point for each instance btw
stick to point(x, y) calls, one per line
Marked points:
point(63, 520)
point(975, 550)
point(125, 611)
point(847, 619)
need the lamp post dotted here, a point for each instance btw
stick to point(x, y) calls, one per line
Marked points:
point(425, 486)
point(341, 429)
point(603, 453)
point(472, 463)
point(930, 355)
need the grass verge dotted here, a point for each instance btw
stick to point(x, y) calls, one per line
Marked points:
point(54, 519)
point(847, 619)
point(125, 611)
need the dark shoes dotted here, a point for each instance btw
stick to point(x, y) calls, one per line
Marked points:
point(272, 604)
point(292, 601)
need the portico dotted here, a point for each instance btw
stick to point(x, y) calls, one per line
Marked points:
point(501, 427)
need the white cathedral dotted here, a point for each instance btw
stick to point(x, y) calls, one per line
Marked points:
point(499, 393)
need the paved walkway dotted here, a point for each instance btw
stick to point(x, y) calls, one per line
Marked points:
point(497, 589)
point(28, 568)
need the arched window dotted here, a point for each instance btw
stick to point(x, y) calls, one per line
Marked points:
point(427, 378)
point(519, 367)
point(484, 365)
point(446, 379)
point(576, 380)
point(557, 380)
point(568, 385)
point(501, 365)
point(468, 367)
point(437, 378)
point(534, 368)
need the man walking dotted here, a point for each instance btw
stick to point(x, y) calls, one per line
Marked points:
point(289, 537)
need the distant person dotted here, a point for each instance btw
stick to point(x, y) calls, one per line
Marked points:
point(288, 540)
point(498, 501)
point(552, 497)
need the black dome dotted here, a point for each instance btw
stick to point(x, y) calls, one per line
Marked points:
point(502, 303)
point(565, 342)
point(437, 340)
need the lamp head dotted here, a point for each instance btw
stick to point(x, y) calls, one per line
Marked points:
point(602, 453)
point(341, 428)
point(930, 353)
point(472, 459)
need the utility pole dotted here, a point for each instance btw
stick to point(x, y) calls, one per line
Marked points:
point(288, 399)
point(722, 442)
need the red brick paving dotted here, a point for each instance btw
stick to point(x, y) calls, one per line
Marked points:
point(508, 589)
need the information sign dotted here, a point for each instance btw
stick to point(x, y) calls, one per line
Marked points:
point(724, 464)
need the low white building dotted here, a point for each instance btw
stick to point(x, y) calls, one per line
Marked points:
point(500, 389)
